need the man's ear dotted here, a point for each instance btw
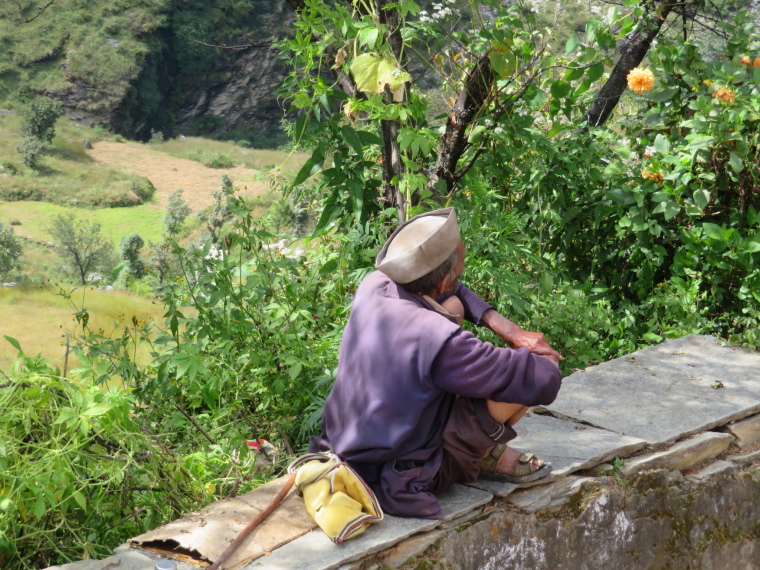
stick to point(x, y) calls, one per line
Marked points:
point(446, 284)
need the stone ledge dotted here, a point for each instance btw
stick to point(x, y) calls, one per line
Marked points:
point(682, 455)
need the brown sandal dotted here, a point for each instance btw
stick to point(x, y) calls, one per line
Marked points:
point(522, 472)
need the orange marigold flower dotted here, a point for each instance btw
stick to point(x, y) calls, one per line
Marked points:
point(641, 80)
point(655, 176)
point(725, 95)
point(757, 62)
point(745, 60)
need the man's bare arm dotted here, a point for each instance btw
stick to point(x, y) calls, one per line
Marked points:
point(518, 337)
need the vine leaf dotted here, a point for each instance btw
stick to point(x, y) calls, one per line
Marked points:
point(373, 73)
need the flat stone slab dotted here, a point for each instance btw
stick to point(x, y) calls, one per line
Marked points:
point(714, 469)
point(746, 431)
point(682, 455)
point(314, 551)
point(552, 496)
point(569, 446)
point(663, 393)
point(745, 459)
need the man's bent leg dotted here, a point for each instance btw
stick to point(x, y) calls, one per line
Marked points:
point(506, 413)
point(470, 433)
point(509, 414)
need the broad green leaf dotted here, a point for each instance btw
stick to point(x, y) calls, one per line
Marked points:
point(574, 73)
point(79, 498)
point(560, 89)
point(700, 142)
point(329, 267)
point(368, 37)
point(536, 98)
point(595, 72)
point(572, 43)
point(713, 231)
point(736, 162)
point(547, 283)
point(14, 343)
point(373, 72)
point(701, 197)
point(353, 139)
point(751, 246)
point(662, 144)
point(503, 61)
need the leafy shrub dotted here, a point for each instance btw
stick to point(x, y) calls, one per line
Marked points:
point(10, 249)
point(79, 475)
point(218, 160)
point(129, 249)
point(40, 116)
point(30, 150)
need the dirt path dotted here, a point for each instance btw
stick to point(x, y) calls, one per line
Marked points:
point(168, 173)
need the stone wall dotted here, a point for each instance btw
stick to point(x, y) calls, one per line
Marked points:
point(659, 519)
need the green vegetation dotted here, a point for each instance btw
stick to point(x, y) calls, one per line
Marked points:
point(215, 153)
point(606, 236)
point(10, 249)
point(66, 175)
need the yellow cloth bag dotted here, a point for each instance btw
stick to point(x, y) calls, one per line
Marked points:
point(335, 496)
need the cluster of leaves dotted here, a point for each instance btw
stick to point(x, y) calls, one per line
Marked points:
point(38, 128)
point(10, 249)
point(78, 475)
point(672, 202)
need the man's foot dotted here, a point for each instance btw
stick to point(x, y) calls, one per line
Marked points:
point(506, 464)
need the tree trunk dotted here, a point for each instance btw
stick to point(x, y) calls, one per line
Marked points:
point(476, 90)
point(637, 46)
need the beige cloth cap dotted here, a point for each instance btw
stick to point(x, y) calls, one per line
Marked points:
point(419, 245)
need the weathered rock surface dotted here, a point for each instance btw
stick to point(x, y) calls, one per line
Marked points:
point(665, 392)
point(682, 455)
point(553, 496)
point(712, 470)
point(569, 446)
point(745, 431)
point(661, 527)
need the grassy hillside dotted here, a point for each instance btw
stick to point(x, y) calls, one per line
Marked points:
point(51, 315)
point(49, 47)
point(66, 175)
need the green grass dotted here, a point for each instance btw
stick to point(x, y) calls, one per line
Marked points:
point(202, 150)
point(115, 223)
point(66, 174)
point(52, 319)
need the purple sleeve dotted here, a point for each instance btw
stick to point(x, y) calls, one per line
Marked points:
point(474, 306)
point(469, 367)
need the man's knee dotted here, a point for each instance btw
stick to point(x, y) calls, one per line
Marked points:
point(454, 306)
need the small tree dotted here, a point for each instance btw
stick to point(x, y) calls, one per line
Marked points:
point(220, 212)
point(80, 244)
point(176, 212)
point(39, 119)
point(10, 249)
point(30, 150)
point(129, 248)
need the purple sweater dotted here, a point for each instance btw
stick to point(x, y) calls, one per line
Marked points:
point(401, 366)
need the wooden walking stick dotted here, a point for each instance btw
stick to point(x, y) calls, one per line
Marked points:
point(255, 522)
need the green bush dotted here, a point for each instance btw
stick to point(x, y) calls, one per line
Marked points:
point(218, 160)
point(79, 476)
point(40, 116)
point(30, 150)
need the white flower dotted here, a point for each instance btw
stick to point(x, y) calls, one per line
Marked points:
point(650, 150)
point(498, 130)
point(634, 156)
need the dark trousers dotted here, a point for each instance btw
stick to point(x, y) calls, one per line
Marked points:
point(469, 435)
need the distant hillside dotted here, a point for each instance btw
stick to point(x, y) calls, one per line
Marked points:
point(147, 65)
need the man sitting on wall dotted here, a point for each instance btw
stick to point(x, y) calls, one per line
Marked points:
point(418, 403)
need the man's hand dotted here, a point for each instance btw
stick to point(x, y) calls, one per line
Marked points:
point(517, 337)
